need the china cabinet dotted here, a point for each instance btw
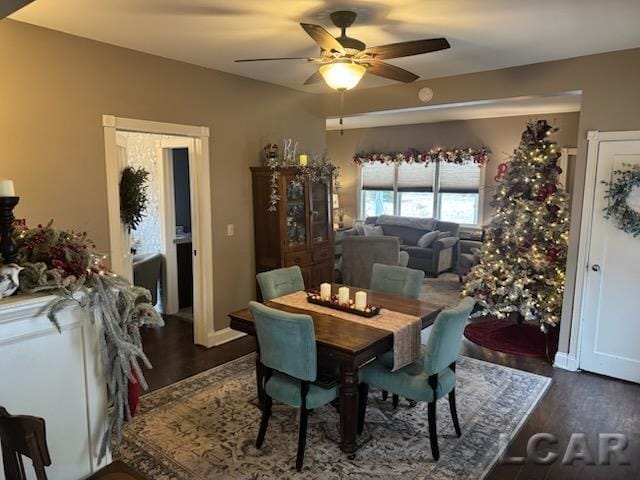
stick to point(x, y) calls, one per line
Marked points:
point(300, 231)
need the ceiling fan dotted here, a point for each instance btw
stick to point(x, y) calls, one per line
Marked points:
point(344, 60)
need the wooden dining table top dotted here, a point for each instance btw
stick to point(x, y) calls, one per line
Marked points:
point(347, 336)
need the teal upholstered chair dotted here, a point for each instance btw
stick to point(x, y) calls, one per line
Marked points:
point(279, 282)
point(288, 352)
point(429, 379)
point(396, 280)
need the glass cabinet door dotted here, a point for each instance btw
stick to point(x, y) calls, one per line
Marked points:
point(321, 221)
point(296, 215)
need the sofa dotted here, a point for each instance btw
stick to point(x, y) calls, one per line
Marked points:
point(360, 253)
point(440, 255)
point(467, 256)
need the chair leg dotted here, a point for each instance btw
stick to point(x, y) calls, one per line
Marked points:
point(454, 412)
point(363, 392)
point(266, 414)
point(385, 395)
point(302, 438)
point(433, 434)
point(394, 400)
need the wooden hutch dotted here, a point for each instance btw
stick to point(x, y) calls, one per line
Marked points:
point(300, 231)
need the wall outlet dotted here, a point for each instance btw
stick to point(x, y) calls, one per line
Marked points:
point(230, 231)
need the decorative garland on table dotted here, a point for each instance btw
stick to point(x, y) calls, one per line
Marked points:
point(626, 215)
point(133, 196)
point(456, 155)
point(64, 263)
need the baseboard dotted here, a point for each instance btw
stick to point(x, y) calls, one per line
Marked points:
point(224, 336)
point(566, 362)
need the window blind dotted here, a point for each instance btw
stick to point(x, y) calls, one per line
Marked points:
point(457, 178)
point(416, 177)
point(377, 176)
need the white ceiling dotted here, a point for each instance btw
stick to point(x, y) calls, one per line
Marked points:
point(484, 34)
point(506, 107)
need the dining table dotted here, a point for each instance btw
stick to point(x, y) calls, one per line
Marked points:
point(344, 346)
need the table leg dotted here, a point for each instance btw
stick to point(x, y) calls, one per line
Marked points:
point(348, 407)
point(260, 372)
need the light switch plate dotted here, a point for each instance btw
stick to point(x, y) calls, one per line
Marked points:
point(230, 231)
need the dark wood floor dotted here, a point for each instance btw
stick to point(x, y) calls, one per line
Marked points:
point(575, 403)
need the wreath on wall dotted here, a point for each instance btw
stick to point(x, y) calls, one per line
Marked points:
point(624, 200)
point(133, 196)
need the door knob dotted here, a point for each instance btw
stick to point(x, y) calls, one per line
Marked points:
point(595, 268)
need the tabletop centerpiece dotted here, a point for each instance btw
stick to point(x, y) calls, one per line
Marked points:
point(342, 301)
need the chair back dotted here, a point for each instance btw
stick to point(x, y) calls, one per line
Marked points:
point(279, 282)
point(23, 435)
point(444, 342)
point(287, 341)
point(397, 280)
point(360, 253)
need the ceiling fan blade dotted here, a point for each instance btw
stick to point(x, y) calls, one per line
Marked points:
point(276, 58)
point(315, 78)
point(391, 72)
point(406, 49)
point(323, 38)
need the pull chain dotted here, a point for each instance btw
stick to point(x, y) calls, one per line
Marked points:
point(341, 110)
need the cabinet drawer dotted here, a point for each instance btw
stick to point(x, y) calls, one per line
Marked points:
point(298, 258)
point(321, 255)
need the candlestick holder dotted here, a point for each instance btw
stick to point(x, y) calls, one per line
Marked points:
point(8, 248)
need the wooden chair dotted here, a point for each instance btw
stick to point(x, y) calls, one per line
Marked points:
point(23, 435)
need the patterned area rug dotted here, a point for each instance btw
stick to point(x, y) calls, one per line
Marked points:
point(204, 427)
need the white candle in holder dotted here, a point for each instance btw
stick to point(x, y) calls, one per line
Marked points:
point(361, 300)
point(325, 291)
point(343, 296)
point(6, 188)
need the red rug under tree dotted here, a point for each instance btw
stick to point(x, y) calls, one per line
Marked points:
point(508, 336)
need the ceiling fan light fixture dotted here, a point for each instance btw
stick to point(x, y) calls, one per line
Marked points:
point(342, 75)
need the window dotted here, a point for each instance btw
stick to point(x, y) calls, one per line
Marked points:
point(442, 190)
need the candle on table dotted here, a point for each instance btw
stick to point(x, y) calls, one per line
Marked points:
point(343, 296)
point(361, 300)
point(325, 291)
point(6, 188)
point(303, 160)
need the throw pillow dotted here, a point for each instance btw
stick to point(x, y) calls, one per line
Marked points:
point(370, 231)
point(359, 228)
point(443, 235)
point(428, 238)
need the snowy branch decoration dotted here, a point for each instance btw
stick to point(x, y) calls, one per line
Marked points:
point(64, 263)
point(455, 155)
point(624, 199)
point(319, 169)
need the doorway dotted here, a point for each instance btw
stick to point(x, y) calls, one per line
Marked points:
point(609, 266)
point(196, 141)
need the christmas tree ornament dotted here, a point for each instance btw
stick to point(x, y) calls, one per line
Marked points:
point(522, 259)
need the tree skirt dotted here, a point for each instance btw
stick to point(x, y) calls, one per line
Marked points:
point(205, 427)
point(508, 337)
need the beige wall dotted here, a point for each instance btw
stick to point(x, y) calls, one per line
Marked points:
point(55, 87)
point(610, 102)
point(500, 135)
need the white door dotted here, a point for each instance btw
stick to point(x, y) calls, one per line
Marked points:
point(610, 340)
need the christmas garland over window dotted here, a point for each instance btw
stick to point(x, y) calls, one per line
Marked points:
point(133, 196)
point(624, 200)
point(457, 155)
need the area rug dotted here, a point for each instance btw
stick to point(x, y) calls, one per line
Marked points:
point(508, 337)
point(204, 427)
point(443, 290)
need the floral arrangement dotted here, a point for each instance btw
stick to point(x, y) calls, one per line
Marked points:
point(624, 209)
point(319, 169)
point(65, 264)
point(456, 155)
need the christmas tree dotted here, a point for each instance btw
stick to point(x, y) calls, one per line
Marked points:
point(523, 257)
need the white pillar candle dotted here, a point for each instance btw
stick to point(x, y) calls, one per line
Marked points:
point(343, 296)
point(325, 291)
point(361, 300)
point(6, 188)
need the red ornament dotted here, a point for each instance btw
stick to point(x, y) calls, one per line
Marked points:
point(552, 254)
point(551, 188)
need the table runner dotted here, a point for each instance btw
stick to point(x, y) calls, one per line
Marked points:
point(405, 328)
